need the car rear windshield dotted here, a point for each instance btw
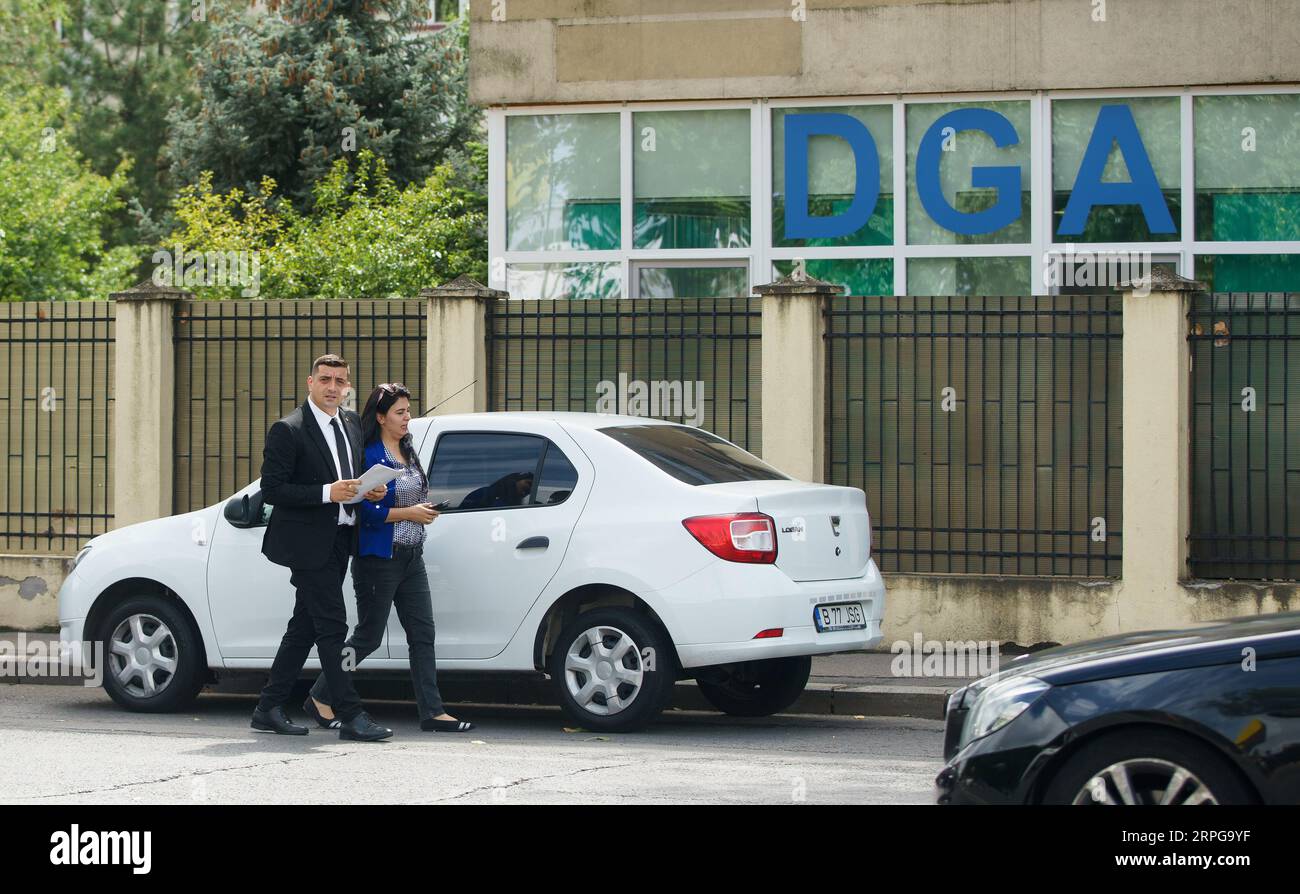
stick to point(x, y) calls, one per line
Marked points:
point(691, 455)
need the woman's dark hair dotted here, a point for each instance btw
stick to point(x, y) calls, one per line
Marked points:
point(381, 400)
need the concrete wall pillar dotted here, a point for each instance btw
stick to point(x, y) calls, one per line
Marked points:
point(144, 402)
point(794, 375)
point(1156, 452)
point(456, 365)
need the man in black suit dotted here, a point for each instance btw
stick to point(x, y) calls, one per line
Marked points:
point(310, 468)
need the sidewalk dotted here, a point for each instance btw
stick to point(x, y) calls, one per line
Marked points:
point(853, 683)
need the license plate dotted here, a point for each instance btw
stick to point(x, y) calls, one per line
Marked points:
point(846, 616)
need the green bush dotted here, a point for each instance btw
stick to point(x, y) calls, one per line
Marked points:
point(53, 207)
point(364, 238)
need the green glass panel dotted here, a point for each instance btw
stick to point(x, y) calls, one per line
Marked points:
point(1249, 273)
point(690, 179)
point(969, 276)
point(692, 282)
point(584, 280)
point(558, 169)
point(592, 224)
point(691, 223)
point(1247, 167)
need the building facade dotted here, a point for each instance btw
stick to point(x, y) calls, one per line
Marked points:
point(994, 154)
point(696, 148)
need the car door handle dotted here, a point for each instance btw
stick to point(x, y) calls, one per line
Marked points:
point(534, 543)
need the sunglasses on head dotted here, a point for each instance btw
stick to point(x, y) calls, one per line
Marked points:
point(395, 388)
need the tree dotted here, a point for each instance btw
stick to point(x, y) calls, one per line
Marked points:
point(124, 63)
point(287, 93)
point(365, 237)
point(53, 207)
point(369, 239)
point(29, 43)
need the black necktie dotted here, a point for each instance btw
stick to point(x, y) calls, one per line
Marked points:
point(345, 463)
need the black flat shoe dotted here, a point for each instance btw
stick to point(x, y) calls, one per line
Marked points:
point(309, 708)
point(276, 721)
point(446, 726)
point(362, 729)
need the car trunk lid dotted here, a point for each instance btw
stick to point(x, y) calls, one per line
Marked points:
point(823, 532)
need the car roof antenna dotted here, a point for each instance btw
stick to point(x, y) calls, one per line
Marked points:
point(420, 450)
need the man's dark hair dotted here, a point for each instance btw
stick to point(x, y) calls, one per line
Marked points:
point(328, 360)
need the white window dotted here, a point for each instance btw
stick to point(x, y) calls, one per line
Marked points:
point(690, 199)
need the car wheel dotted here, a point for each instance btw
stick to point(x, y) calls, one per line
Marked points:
point(1153, 767)
point(612, 670)
point(758, 688)
point(152, 655)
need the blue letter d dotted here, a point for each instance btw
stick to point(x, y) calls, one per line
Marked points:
point(799, 224)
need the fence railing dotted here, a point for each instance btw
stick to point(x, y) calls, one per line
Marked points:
point(57, 360)
point(985, 431)
point(240, 365)
point(1014, 470)
point(693, 360)
point(1245, 410)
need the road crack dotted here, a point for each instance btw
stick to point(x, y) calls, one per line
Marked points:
point(188, 775)
point(566, 775)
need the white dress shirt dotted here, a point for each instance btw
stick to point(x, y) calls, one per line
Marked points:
point(324, 419)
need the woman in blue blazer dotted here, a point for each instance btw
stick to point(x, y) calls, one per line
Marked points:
point(389, 567)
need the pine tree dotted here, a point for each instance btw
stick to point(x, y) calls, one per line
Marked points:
point(287, 91)
point(124, 64)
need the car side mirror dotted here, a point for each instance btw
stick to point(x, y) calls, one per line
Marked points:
point(246, 511)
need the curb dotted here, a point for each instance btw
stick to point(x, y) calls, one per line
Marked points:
point(823, 699)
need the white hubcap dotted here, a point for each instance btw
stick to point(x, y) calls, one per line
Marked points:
point(142, 655)
point(603, 670)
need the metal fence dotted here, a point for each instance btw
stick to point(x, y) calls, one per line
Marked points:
point(985, 431)
point(1245, 454)
point(241, 365)
point(693, 360)
point(57, 399)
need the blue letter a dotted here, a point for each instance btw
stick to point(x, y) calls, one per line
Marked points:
point(799, 224)
point(1115, 124)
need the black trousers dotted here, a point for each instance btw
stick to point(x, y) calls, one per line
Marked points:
point(382, 584)
point(320, 618)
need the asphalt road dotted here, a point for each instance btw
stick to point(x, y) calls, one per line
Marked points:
point(68, 744)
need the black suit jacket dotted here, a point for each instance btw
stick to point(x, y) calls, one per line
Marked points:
point(296, 463)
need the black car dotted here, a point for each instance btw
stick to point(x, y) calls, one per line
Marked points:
point(1204, 715)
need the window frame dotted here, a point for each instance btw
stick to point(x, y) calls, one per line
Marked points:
point(541, 468)
point(547, 443)
point(618, 426)
point(761, 254)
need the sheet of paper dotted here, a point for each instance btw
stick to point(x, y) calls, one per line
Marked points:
point(374, 477)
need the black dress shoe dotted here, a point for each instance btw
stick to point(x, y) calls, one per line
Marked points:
point(310, 709)
point(445, 726)
point(362, 729)
point(276, 721)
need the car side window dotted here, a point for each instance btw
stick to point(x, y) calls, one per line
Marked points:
point(558, 477)
point(484, 470)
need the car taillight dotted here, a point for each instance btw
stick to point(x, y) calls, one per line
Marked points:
point(738, 537)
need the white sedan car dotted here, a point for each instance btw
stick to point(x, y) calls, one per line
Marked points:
point(644, 552)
